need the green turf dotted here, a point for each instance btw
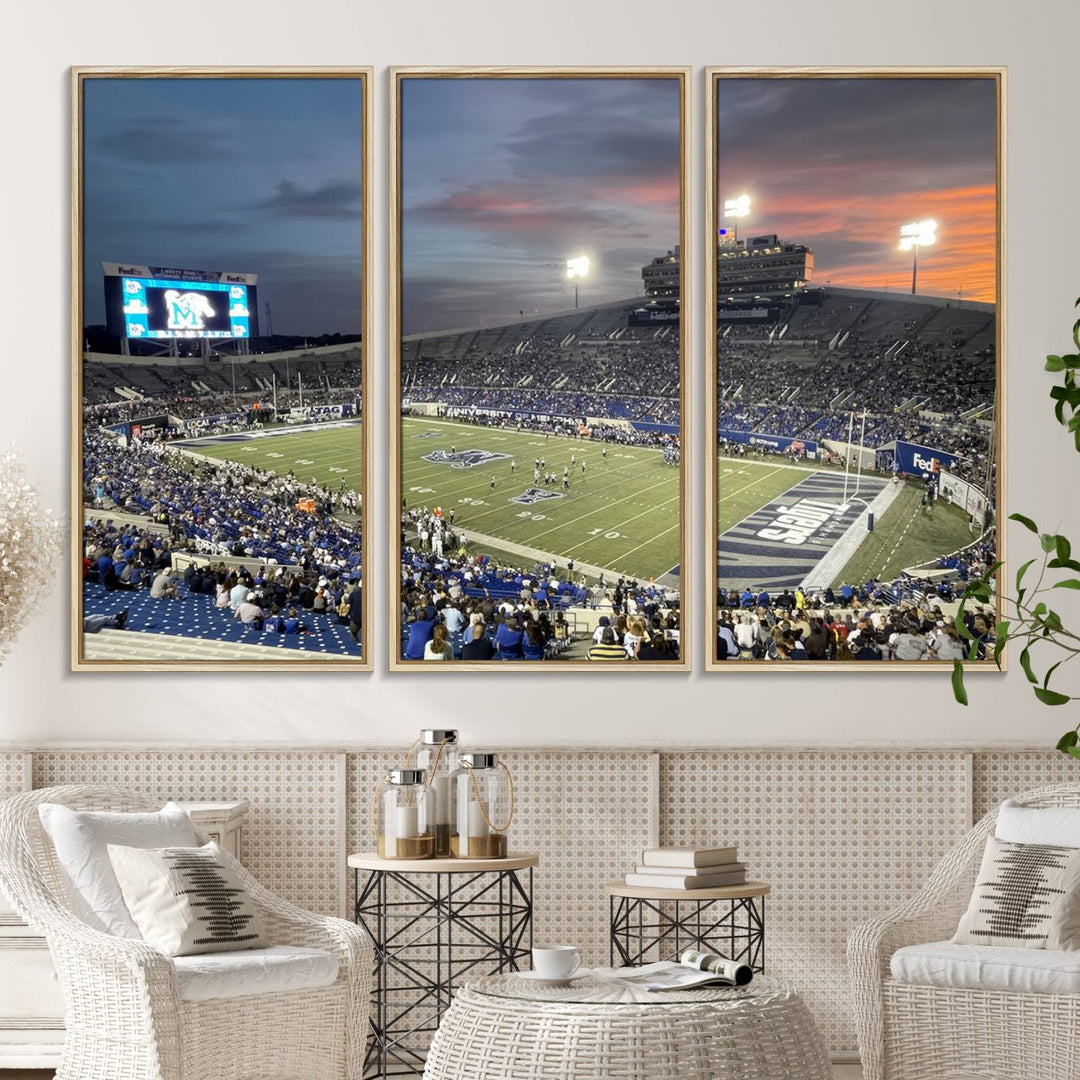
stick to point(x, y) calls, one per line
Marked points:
point(908, 536)
point(743, 486)
point(905, 535)
point(623, 516)
point(329, 455)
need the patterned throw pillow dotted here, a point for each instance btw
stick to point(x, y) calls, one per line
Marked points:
point(1026, 895)
point(186, 900)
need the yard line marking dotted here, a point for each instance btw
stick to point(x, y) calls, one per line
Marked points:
point(627, 554)
point(753, 483)
point(607, 506)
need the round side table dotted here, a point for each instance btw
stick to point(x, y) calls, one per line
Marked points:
point(594, 1029)
point(431, 922)
point(729, 920)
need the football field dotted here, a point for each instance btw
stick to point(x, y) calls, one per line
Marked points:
point(621, 514)
point(777, 521)
point(328, 453)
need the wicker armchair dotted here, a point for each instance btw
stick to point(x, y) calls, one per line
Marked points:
point(124, 1016)
point(911, 1032)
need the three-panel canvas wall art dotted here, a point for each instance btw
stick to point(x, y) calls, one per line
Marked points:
point(539, 448)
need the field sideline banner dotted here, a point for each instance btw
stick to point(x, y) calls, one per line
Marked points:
point(905, 457)
point(963, 494)
point(772, 442)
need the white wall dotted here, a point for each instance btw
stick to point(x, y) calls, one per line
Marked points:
point(41, 700)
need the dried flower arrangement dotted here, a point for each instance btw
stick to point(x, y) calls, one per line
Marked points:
point(30, 542)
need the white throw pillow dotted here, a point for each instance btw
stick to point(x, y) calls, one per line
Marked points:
point(1057, 825)
point(187, 900)
point(1025, 896)
point(81, 838)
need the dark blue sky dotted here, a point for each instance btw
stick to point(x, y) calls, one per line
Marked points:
point(252, 175)
point(504, 179)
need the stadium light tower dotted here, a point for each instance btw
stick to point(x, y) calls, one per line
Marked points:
point(576, 269)
point(736, 208)
point(914, 236)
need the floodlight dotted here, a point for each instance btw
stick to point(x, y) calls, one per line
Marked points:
point(913, 236)
point(737, 207)
point(577, 267)
point(918, 234)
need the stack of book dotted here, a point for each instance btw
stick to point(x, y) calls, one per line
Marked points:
point(694, 867)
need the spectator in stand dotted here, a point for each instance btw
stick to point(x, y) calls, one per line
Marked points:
point(508, 640)
point(420, 630)
point(608, 648)
point(164, 587)
point(439, 647)
point(250, 613)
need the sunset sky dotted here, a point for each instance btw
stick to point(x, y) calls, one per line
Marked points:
point(841, 164)
point(504, 179)
point(251, 175)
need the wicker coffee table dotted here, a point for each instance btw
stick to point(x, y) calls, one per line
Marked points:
point(503, 1026)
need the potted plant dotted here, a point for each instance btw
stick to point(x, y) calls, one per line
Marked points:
point(1027, 615)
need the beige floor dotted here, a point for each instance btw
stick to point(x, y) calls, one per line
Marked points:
point(840, 1072)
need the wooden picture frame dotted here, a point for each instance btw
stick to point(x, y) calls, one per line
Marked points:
point(398, 79)
point(715, 77)
point(352, 198)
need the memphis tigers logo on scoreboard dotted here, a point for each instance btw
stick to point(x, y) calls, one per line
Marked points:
point(531, 496)
point(463, 459)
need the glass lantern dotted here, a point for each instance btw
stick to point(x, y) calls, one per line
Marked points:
point(405, 816)
point(484, 794)
point(437, 754)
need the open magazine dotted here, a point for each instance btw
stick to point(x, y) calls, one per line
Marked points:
point(692, 970)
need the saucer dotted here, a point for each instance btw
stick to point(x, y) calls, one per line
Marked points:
point(544, 980)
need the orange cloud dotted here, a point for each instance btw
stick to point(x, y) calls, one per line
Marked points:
point(855, 238)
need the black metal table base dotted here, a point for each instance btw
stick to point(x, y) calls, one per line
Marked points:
point(426, 942)
point(644, 931)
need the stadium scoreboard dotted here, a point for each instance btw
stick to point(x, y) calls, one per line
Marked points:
point(160, 302)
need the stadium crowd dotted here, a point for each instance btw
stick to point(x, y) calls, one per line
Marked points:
point(457, 606)
point(873, 620)
point(913, 630)
point(225, 508)
point(269, 598)
point(798, 387)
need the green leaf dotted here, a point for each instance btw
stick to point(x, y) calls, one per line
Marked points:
point(1051, 697)
point(958, 688)
point(1022, 571)
point(1025, 663)
point(1048, 541)
point(1063, 547)
point(1002, 638)
point(1070, 738)
point(1055, 363)
point(1025, 521)
point(1050, 671)
point(1068, 583)
point(1074, 751)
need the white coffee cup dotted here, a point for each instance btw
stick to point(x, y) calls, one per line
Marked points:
point(556, 961)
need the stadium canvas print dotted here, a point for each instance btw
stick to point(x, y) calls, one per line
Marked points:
point(219, 315)
point(539, 342)
point(854, 282)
